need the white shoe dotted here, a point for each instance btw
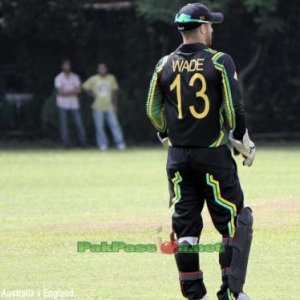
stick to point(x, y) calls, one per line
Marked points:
point(121, 147)
point(243, 296)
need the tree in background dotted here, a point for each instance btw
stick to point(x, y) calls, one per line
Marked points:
point(254, 31)
point(260, 34)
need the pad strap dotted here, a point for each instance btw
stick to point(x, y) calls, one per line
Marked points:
point(227, 241)
point(225, 271)
point(191, 275)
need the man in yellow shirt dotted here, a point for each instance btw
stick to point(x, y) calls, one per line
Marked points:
point(103, 87)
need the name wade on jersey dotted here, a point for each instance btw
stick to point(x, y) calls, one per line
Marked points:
point(194, 65)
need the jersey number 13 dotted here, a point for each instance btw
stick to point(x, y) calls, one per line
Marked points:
point(200, 94)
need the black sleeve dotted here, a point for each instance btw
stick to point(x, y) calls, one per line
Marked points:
point(232, 96)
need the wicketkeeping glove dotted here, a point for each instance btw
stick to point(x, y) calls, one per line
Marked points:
point(163, 138)
point(245, 147)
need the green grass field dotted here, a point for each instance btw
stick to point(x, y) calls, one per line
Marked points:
point(50, 199)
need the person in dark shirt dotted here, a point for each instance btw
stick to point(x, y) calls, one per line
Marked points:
point(194, 102)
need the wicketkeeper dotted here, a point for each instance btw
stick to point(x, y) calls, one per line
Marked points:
point(194, 102)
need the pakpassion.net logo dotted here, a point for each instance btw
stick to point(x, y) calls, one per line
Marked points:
point(170, 247)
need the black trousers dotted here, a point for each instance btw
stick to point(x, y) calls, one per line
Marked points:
point(197, 175)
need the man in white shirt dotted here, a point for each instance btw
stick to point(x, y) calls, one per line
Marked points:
point(68, 86)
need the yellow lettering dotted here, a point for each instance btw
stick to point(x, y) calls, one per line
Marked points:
point(175, 65)
point(185, 66)
point(200, 63)
point(200, 94)
point(194, 65)
point(176, 85)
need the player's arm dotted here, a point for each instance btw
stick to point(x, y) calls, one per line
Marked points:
point(231, 96)
point(155, 100)
point(234, 110)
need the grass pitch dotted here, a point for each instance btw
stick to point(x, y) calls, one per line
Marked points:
point(51, 199)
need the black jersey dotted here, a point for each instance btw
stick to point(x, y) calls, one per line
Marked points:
point(195, 98)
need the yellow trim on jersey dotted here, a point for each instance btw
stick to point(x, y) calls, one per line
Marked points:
point(217, 56)
point(230, 112)
point(158, 121)
point(156, 114)
point(177, 191)
point(223, 202)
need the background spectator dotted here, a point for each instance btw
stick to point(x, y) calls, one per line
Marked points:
point(67, 85)
point(103, 88)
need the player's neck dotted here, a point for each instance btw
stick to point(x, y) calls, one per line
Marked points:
point(194, 40)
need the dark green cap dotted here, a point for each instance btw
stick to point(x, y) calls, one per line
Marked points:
point(193, 15)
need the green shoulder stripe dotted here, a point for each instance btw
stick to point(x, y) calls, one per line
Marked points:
point(229, 108)
point(212, 51)
point(216, 56)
